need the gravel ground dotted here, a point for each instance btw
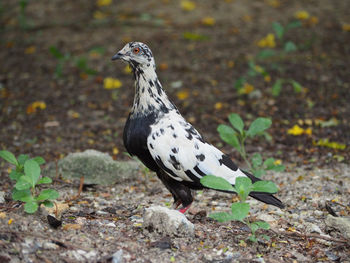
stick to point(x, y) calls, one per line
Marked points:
point(106, 221)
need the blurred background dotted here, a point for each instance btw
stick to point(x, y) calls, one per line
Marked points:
point(287, 60)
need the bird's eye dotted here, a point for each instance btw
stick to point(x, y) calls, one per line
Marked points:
point(136, 50)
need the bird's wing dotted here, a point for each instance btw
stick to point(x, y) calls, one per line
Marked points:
point(180, 150)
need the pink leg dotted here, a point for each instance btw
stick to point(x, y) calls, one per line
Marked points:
point(177, 204)
point(183, 210)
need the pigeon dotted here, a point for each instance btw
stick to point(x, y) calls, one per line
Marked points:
point(166, 143)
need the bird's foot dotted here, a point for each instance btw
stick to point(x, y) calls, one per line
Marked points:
point(183, 210)
point(176, 204)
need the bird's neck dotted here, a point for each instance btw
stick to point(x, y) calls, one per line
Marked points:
point(149, 94)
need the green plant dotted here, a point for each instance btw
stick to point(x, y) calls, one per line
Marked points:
point(22, 19)
point(81, 62)
point(237, 135)
point(27, 177)
point(240, 210)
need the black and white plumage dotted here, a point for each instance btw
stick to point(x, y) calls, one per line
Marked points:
point(165, 142)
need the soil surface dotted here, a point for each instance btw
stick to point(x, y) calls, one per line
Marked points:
point(200, 55)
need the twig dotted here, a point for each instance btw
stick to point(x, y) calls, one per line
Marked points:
point(299, 235)
point(65, 244)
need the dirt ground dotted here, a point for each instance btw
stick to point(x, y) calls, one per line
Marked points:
point(200, 53)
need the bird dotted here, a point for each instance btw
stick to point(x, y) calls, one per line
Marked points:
point(166, 143)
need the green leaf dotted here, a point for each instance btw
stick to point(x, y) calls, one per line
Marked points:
point(254, 227)
point(22, 158)
point(266, 237)
point(266, 53)
point(239, 83)
point(217, 183)
point(228, 135)
point(23, 183)
point(22, 195)
point(256, 160)
point(55, 52)
point(39, 160)
point(14, 175)
point(48, 203)
point(194, 36)
point(269, 163)
point(253, 238)
point(31, 207)
point(258, 126)
point(262, 225)
point(243, 187)
point(47, 194)
point(239, 211)
point(45, 180)
point(294, 24)
point(279, 29)
point(32, 170)
point(297, 86)
point(265, 187)
point(277, 87)
point(221, 216)
point(279, 168)
point(236, 121)
point(290, 47)
point(8, 156)
point(258, 173)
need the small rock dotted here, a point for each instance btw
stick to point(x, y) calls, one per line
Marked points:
point(49, 245)
point(2, 197)
point(332, 256)
point(118, 256)
point(110, 225)
point(167, 221)
point(312, 228)
point(96, 167)
point(342, 224)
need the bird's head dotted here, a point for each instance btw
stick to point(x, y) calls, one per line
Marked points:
point(136, 54)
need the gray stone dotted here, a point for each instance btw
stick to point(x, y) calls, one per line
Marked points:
point(118, 256)
point(96, 167)
point(167, 221)
point(342, 224)
point(2, 197)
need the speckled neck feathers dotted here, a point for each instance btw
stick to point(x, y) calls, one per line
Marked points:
point(149, 95)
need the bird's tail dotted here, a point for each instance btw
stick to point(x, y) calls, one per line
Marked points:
point(267, 199)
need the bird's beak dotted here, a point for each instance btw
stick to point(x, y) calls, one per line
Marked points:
point(117, 56)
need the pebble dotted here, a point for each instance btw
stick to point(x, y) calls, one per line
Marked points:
point(167, 221)
point(118, 256)
point(2, 197)
point(49, 245)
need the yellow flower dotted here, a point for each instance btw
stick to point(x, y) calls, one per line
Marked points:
point(111, 83)
point(218, 106)
point(115, 150)
point(10, 221)
point(247, 88)
point(346, 27)
point(208, 21)
point(268, 41)
point(308, 131)
point(99, 15)
point(267, 78)
point(296, 130)
point(30, 50)
point(278, 162)
point(327, 143)
point(127, 69)
point(36, 105)
point(274, 3)
point(302, 15)
point(230, 64)
point(313, 20)
point(183, 94)
point(73, 114)
point(103, 2)
point(188, 5)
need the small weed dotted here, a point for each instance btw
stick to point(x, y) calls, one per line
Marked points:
point(80, 62)
point(27, 177)
point(236, 137)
